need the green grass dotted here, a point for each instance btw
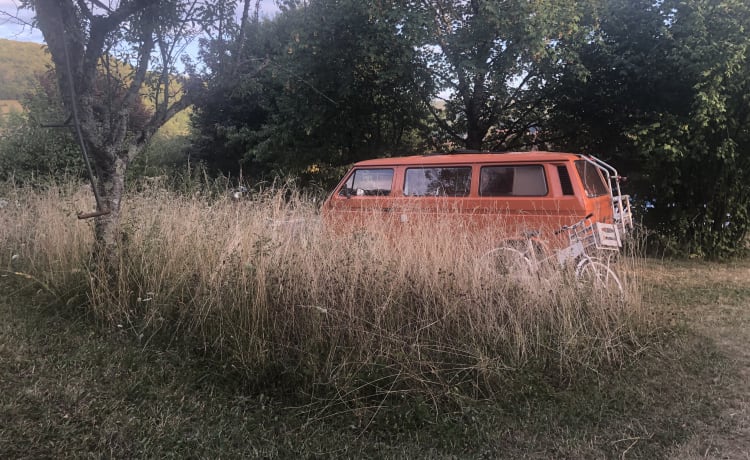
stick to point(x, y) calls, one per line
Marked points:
point(71, 388)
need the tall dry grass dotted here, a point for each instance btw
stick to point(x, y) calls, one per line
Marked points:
point(272, 291)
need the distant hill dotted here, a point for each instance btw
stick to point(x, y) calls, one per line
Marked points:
point(19, 63)
point(10, 105)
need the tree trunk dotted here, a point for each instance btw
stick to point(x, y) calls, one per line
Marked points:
point(476, 124)
point(111, 187)
point(474, 137)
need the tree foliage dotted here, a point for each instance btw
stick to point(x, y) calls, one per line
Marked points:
point(490, 61)
point(667, 96)
point(324, 83)
point(31, 153)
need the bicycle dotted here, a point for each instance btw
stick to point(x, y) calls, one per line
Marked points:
point(528, 255)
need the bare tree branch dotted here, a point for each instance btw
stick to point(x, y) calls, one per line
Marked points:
point(15, 18)
point(85, 9)
point(143, 60)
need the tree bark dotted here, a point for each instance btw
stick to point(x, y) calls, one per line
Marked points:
point(474, 139)
point(111, 188)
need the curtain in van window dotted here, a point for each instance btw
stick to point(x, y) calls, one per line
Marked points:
point(512, 181)
point(529, 181)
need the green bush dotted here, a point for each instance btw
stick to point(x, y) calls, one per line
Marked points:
point(31, 153)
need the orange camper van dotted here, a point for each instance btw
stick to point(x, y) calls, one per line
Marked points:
point(518, 191)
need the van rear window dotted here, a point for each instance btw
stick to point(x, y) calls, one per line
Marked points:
point(592, 179)
point(512, 181)
point(368, 182)
point(454, 181)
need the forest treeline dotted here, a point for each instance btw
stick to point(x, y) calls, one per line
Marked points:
point(659, 89)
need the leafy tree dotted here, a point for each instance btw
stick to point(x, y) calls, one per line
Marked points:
point(666, 96)
point(704, 205)
point(86, 40)
point(326, 82)
point(231, 110)
point(622, 77)
point(489, 61)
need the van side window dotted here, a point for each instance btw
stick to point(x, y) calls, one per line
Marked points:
point(512, 181)
point(454, 181)
point(565, 183)
point(593, 182)
point(368, 182)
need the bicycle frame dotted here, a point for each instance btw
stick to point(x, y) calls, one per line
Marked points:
point(582, 235)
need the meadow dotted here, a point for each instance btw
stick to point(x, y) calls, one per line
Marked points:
point(250, 328)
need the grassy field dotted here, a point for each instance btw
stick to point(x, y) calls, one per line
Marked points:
point(233, 336)
point(711, 302)
point(68, 388)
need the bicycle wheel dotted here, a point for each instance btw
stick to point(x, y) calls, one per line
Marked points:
point(600, 277)
point(507, 262)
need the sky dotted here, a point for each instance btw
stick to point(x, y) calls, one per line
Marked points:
point(15, 24)
point(13, 28)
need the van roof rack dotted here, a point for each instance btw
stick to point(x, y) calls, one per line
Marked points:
point(468, 151)
point(455, 152)
point(493, 152)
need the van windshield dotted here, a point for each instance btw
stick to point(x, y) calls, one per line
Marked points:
point(592, 179)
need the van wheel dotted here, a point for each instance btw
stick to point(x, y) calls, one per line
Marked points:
point(507, 262)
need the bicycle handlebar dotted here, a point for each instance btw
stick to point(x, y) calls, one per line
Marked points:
point(568, 227)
